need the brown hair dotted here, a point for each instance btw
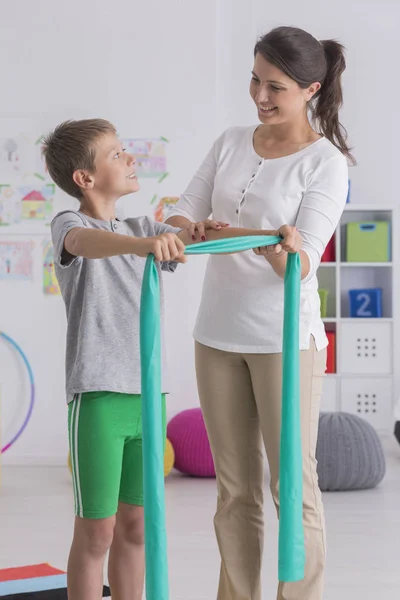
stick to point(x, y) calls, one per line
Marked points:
point(71, 146)
point(306, 60)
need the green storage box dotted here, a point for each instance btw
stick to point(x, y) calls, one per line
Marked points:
point(323, 296)
point(368, 241)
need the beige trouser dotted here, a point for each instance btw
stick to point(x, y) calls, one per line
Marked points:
point(240, 395)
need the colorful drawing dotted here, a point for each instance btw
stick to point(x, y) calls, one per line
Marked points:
point(37, 205)
point(10, 152)
point(16, 261)
point(50, 283)
point(150, 154)
point(20, 146)
point(41, 171)
point(10, 205)
point(25, 204)
point(164, 207)
point(14, 152)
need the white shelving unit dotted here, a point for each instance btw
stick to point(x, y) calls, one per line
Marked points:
point(363, 383)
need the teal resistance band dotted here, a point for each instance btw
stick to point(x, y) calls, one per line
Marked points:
point(291, 534)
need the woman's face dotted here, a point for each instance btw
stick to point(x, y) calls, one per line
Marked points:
point(279, 99)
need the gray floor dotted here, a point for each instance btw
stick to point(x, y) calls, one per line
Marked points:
point(363, 532)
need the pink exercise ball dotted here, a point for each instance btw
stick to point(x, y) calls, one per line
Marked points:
point(188, 436)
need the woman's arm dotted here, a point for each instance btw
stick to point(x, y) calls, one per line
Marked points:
point(318, 216)
point(278, 260)
point(194, 207)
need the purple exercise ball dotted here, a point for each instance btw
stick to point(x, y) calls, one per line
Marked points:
point(188, 436)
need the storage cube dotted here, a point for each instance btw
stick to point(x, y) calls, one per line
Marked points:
point(366, 347)
point(366, 303)
point(330, 252)
point(329, 393)
point(368, 242)
point(323, 296)
point(331, 358)
point(369, 398)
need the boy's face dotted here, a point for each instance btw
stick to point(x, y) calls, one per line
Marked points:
point(115, 169)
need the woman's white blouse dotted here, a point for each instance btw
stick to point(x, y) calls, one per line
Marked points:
point(242, 301)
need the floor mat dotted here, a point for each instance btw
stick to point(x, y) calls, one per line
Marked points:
point(36, 582)
point(41, 570)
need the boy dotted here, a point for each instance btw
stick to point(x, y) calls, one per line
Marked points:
point(99, 263)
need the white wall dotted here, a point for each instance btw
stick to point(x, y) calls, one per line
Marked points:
point(371, 88)
point(150, 68)
point(178, 69)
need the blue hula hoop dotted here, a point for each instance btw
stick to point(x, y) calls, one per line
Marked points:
point(19, 351)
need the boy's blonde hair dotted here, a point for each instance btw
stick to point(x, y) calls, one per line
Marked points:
point(71, 146)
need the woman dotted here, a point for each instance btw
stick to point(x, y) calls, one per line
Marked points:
point(288, 174)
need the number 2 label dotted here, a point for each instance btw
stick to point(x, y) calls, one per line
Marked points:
point(365, 301)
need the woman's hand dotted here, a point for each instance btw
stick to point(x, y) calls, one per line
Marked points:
point(198, 230)
point(291, 242)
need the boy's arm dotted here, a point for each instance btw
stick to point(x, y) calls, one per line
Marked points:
point(95, 243)
point(226, 232)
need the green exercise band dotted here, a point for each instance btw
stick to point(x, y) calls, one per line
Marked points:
point(291, 533)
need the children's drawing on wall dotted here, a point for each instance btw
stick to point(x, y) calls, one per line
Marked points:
point(21, 158)
point(37, 204)
point(16, 260)
point(10, 155)
point(151, 156)
point(40, 169)
point(17, 141)
point(164, 207)
point(14, 156)
point(10, 205)
point(26, 207)
point(50, 283)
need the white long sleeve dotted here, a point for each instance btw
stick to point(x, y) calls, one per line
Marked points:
point(242, 303)
point(196, 202)
point(321, 208)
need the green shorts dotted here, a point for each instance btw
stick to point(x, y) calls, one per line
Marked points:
point(105, 441)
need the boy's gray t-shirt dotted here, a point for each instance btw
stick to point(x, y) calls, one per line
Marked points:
point(102, 299)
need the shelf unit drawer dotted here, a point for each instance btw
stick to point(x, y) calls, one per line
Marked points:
point(329, 394)
point(366, 348)
point(370, 399)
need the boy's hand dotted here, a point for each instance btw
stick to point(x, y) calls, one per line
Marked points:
point(165, 247)
point(198, 230)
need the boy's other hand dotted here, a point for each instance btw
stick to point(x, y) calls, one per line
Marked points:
point(165, 247)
